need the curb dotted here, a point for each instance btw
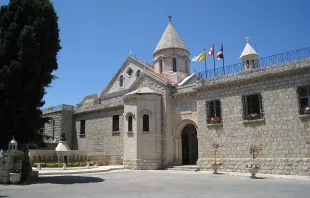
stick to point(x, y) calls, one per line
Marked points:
point(78, 171)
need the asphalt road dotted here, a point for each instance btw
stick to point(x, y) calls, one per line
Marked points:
point(157, 184)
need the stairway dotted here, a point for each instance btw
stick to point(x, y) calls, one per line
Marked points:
point(193, 168)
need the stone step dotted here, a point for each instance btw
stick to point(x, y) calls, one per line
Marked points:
point(185, 168)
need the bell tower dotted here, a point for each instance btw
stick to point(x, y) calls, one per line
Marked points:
point(171, 56)
point(249, 56)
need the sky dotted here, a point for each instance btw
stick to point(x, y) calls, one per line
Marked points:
point(97, 36)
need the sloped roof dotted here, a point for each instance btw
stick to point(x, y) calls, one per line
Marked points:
point(170, 39)
point(141, 91)
point(151, 67)
point(248, 50)
point(186, 79)
point(62, 146)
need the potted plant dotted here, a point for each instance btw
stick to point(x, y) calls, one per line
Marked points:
point(252, 116)
point(215, 166)
point(215, 120)
point(254, 168)
point(306, 109)
point(15, 173)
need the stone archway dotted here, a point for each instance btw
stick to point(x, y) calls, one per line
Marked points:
point(189, 145)
point(184, 125)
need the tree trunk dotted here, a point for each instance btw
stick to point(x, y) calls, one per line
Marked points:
point(26, 166)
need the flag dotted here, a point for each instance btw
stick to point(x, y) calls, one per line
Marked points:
point(220, 54)
point(211, 52)
point(200, 57)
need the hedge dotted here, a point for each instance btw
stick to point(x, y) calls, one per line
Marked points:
point(55, 164)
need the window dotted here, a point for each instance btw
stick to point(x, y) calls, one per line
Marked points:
point(115, 123)
point(304, 99)
point(82, 128)
point(121, 81)
point(138, 73)
point(53, 129)
point(214, 112)
point(129, 71)
point(161, 66)
point(146, 122)
point(252, 107)
point(174, 64)
point(130, 123)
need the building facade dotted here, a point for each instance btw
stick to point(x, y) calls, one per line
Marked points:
point(154, 116)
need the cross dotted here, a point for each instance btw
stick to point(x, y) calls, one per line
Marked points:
point(130, 52)
point(170, 17)
point(247, 39)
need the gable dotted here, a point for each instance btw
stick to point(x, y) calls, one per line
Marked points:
point(128, 71)
point(148, 79)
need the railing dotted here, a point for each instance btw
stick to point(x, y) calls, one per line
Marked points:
point(260, 63)
point(58, 108)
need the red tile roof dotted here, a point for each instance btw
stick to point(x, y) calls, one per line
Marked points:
point(150, 66)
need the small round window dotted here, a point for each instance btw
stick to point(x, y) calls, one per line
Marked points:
point(129, 71)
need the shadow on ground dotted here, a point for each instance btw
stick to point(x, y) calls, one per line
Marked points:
point(69, 180)
point(2, 195)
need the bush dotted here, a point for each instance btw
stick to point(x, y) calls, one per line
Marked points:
point(55, 164)
point(33, 146)
point(16, 155)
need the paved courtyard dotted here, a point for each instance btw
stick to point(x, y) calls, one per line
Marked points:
point(157, 184)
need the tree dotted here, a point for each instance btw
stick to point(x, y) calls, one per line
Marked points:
point(29, 44)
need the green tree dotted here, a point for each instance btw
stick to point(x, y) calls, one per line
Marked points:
point(29, 43)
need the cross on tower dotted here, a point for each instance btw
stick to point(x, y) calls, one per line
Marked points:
point(170, 17)
point(247, 39)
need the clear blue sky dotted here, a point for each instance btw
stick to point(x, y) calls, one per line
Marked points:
point(96, 35)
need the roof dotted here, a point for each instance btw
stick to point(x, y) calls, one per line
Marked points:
point(248, 50)
point(170, 39)
point(13, 141)
point(62, 146)
point(151, 67)
point(141, 91)
point(186, 79)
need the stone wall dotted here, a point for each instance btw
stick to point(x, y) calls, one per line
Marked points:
point(63, 124)
point(166, 125)
point(281, 132)
point(100, 140)
point(6, 165)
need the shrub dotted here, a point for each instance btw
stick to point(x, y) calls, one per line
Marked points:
point(33, 146)
point(16, 155)
point(55, 164)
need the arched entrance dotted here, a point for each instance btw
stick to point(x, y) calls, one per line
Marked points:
point(189, 145)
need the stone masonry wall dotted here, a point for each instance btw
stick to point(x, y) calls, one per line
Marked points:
point(157, 87)
point(6, 165)
point(282, 132)
point(63, 124)
point(99, 139)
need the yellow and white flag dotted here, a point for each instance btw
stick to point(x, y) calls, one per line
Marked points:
point(200, 57)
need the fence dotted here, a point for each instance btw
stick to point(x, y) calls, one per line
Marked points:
point(260, 63)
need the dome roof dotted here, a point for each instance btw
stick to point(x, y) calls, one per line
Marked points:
point(13, 141)
point(170, 39)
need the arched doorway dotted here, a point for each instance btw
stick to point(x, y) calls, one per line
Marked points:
point(189, 145)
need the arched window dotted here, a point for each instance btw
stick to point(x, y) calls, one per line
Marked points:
point(174, 64)
point(247, 64)
point(146, 122)
point(138, 73)
point(161, 66)
point(130, 123)
point(121, 81)
point(252, 64)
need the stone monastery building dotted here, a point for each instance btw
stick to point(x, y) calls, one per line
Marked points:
point(155, 116)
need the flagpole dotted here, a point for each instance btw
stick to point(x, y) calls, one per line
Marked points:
point(205, 61)
point(223, 59)
point(213, 59)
